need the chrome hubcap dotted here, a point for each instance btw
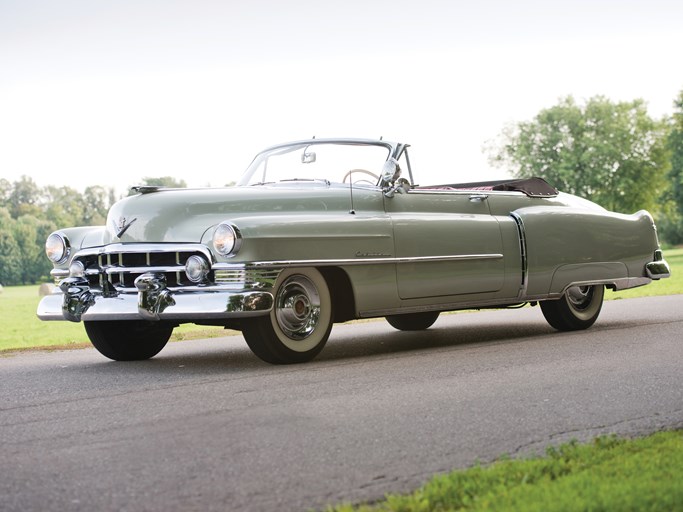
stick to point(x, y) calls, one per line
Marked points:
point(297, 307)
point(580, 297)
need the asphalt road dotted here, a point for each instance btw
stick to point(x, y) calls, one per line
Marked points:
point(207, 426)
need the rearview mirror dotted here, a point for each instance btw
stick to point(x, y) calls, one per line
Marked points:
point(308, 157)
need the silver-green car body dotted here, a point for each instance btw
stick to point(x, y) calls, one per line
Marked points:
point(285, 255)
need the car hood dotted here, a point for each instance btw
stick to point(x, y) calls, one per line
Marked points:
point(186, 215)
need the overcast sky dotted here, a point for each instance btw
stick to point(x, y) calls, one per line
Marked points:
point(108, 92)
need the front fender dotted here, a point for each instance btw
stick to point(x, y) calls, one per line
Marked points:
point(80, 238)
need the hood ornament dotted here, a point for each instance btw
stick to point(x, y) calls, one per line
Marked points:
point(122, 225)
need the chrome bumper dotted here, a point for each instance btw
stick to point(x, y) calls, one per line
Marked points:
point(658, 268)
point(153, 301)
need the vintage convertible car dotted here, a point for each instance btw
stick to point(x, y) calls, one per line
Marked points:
point(328, 230)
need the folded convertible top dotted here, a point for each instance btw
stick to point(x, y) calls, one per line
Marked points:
point(532, 187)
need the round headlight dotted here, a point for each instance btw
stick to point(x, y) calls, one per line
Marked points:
point(226, 239)
point(57, 248)
point(196, 268)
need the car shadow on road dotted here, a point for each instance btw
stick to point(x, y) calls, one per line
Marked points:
point(230, 355)
point(393, 342)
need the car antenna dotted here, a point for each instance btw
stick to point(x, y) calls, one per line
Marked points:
point(351, 211)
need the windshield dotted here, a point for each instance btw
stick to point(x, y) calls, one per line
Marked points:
point(327, 162)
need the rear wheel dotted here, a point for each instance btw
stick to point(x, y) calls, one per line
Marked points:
point(128, 340)
point(413, 321)
point(577, 309)
point(297, 328)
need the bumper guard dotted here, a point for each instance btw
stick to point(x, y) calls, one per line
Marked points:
point(76, 301)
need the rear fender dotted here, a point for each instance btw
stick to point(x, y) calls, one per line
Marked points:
point(568, 245)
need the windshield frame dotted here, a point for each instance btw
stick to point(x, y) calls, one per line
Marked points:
point(247, 178)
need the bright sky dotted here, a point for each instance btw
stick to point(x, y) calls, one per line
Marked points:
point(107, 92)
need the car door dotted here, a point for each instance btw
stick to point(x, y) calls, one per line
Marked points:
point(447, 244)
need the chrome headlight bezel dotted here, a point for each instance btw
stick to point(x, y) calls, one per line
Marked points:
point(57, 248)
point(227, 239)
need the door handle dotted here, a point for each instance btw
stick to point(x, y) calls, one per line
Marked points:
point(478, 198)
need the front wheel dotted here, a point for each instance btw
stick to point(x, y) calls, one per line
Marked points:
point(413, 321)
point(128, 340)
point(297, 328)
point(578, 308)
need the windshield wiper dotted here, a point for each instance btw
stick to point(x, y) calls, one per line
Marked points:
point(326, 182)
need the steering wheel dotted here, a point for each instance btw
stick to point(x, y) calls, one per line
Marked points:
point(363, 171)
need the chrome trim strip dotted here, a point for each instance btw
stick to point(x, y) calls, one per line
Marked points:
point(57, 273)
point(523, 254)
point(137, 248)
point(356, 261)
point(140, 270)
point(450, 306)
point(207, 288)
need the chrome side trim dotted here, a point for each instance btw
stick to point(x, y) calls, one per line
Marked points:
point(354, 261)
point(450, 306)
point(523, 253)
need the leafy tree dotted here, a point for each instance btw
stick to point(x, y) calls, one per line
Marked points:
point(5, 191)
point(611, 153)
point(97, 201)
point(29, 235)
point(24, 198)
point(64, 206)
point(672, 227)
point(10, 253)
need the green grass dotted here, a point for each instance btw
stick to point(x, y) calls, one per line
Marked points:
point(671, 286)
point(22, 329)
point(609, 474)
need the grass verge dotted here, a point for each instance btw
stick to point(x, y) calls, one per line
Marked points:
point(605, 475)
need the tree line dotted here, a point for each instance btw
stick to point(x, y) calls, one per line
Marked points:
point(29, 213)
point(613, 153)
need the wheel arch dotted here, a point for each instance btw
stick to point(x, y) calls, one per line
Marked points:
point(343, 298)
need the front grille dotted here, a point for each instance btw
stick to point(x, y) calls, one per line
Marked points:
point(119, 266)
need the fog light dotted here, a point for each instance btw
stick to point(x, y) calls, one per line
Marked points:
point(196, 269)
point(76, 269)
